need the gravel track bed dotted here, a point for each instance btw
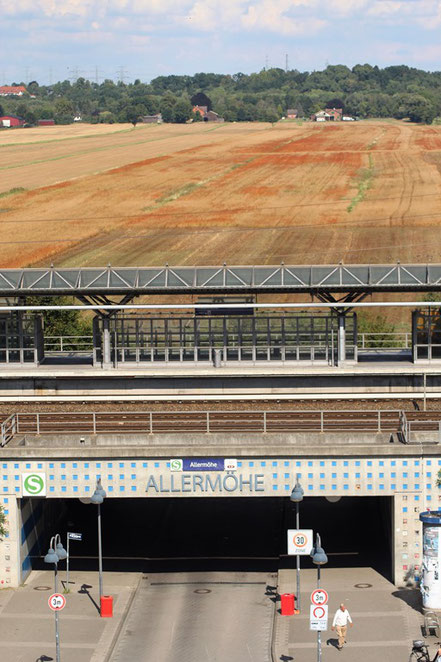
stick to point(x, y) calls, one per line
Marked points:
point(223, 405)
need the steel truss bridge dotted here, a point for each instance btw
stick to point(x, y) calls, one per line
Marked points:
point(96, 285)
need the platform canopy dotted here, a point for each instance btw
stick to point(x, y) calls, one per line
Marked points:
point(131, 281)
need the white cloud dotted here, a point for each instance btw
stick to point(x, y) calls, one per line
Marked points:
point(284, 17)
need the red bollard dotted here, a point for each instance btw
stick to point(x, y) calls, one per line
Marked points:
point(106, 606)
point(287, 604)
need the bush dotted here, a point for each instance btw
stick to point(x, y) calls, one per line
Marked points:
point(378, 325)
point(3, 530)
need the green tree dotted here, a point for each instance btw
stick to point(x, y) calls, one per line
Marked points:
point(182, 111)
point(377, 325)
point(62, 322)
point(3, 529)
point(420, 110)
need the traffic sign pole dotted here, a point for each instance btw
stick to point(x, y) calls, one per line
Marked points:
point(298, 560)
point(66, 590)
point(57, 634)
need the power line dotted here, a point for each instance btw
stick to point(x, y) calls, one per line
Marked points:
point(278, 255)
point(122, 74)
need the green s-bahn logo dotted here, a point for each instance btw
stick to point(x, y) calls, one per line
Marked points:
point(34, 484)
point(176, 465)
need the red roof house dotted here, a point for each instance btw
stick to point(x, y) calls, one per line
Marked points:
point(14, 90)
point(202, 110)
point(11, 120)
point(335, 114)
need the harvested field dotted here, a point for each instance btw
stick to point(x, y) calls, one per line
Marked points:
point(240, 193)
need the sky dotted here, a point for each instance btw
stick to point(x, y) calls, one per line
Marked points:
point(50, 40)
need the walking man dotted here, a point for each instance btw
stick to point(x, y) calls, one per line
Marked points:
point(340, 623)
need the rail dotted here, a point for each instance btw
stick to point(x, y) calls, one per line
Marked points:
point(422, 352)
point(422, 424)
point(8, 429)
point(68, 344)
point(226, 354)
point(392, 341)
point(207, 422)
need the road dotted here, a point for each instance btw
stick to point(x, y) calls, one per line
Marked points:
point(199, 617)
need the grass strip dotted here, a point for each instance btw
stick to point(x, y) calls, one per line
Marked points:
point(188, 188)
point(364, 184)
point(12, 191)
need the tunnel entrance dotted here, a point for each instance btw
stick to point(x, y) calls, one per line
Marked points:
point(229, 532)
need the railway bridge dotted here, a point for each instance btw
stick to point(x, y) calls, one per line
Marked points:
point(199, 399)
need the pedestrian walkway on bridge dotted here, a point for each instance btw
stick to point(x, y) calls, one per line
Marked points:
point(386, 619)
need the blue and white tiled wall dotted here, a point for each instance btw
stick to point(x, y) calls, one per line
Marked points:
point(412, 480)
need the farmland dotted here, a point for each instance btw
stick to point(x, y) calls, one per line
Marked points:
point(205, 194)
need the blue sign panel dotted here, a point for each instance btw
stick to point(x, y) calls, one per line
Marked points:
point(205, 464)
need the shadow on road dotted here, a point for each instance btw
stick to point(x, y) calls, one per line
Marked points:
point(85, 589)
point(411, 597)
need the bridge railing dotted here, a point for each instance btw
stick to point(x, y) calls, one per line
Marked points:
point(8, 429)
point(392, 341)
point(207, 422)
point(68, 344)
point(409, 427)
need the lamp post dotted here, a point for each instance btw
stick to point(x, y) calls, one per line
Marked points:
point(319, 558)
point(97, 498)
point(56, 552)
point(296, 497)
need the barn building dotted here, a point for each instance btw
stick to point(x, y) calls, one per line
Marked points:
point(9, 121)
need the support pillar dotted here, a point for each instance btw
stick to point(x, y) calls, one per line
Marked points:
point(341, 339)
point(107, 353)
point(430, 585)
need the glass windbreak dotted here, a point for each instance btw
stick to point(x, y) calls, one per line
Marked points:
point(226, 338)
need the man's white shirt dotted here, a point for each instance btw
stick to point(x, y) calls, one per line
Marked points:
point(341, 618)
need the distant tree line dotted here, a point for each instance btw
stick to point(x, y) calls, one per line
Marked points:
point(363, 91)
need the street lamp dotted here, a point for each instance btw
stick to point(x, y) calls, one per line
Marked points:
point(97, 498)
point(56, 552)
point(296, 497)
point(319, 558)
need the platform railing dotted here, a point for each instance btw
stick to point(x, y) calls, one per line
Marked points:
point(426, 352)
point(376, 341)
point(68, 344)
point(250, 354)
point(409, 427)
point(148, 422)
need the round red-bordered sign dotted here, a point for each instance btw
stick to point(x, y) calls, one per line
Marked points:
point(319, 613)
point(300, 540)
point(56, 602)
point(319, 597)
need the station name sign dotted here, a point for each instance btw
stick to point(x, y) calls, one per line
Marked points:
point(203, 464)
point(208, 483)
point(205, 476)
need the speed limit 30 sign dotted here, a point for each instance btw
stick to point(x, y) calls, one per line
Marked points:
point(299, 542)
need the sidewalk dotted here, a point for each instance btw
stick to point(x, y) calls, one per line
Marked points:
point(386, 619)
point(27, 625)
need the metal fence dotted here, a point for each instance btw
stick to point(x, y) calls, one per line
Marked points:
point(421, 424)
point(391, 341)
point(68, 344)
point(426, 352)
point(200, 421)
point(8, 429)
